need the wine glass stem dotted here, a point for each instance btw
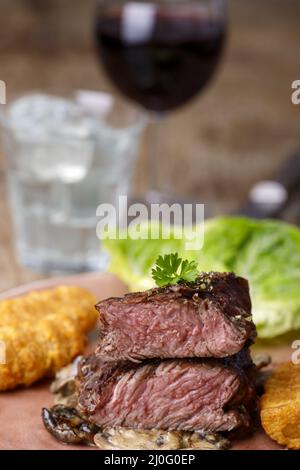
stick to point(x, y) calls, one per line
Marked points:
point(154, 150)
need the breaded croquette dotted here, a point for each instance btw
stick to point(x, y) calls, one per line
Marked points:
point(42, 332)
point(280, 406)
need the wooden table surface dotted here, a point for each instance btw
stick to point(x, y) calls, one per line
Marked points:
point(238, 132)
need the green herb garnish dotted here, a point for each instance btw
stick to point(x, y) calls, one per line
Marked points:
point(170, 269)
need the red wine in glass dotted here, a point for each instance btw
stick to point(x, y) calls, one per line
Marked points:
point(160, 54)
point(164, 62)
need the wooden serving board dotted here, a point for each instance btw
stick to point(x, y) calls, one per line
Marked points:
point(20, 410)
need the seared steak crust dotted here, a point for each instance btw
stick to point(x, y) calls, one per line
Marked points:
point(208, 318)
point(191, 394)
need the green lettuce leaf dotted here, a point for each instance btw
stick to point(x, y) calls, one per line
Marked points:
point(266, 252)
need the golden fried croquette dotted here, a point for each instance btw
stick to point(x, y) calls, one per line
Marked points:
point(42, 332)
point(280, 406)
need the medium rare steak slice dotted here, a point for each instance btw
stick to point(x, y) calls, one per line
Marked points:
point(209, 318)
point(187, 394)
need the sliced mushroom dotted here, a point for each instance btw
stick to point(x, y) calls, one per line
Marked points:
point(65, 375)
point(135, 439)
point(202, 441)
point(261, 360)
point(63, 387)
point(67, 425)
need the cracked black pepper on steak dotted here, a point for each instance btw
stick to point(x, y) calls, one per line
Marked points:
point(208, 318)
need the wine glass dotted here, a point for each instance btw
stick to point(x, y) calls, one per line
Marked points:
point(160, 54)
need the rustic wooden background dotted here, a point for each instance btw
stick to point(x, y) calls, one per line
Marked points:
point(238, 132)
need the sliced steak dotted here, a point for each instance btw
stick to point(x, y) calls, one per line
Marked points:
point(209, 318)
point(187, 394)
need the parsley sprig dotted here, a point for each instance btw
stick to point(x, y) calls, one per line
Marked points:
point(170, 269)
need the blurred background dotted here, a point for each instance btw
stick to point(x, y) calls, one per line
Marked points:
point(239, 131)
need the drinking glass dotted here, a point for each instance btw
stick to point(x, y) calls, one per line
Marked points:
point(160, 53)
point(63, 160)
